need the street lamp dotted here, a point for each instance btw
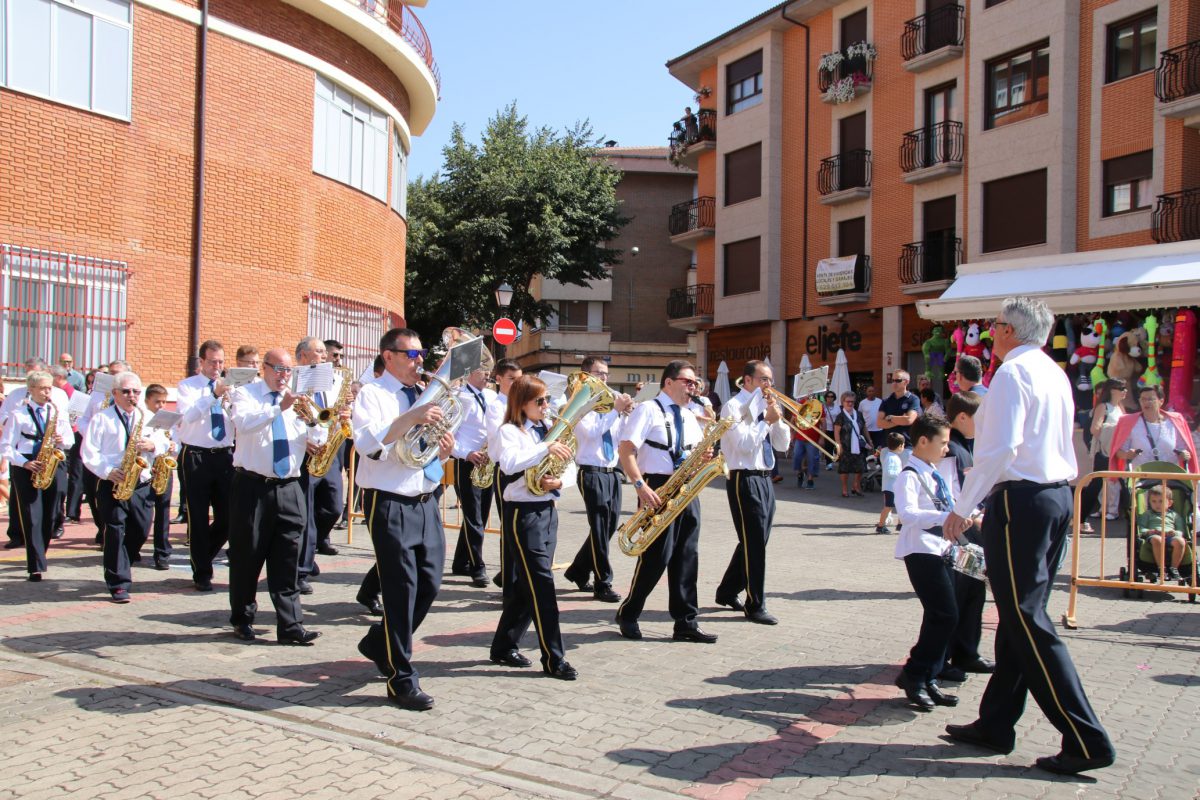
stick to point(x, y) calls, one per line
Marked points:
point(504, 295)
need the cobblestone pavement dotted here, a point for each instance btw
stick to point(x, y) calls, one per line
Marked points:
point(157, 699)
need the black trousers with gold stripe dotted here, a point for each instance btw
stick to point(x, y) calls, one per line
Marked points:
point(475, 505)
point(602, 499)
point(529, 535)
point(675, 552)
point(752, 503)
point(1024, 533)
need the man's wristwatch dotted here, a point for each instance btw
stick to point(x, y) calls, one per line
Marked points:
point(639, 483)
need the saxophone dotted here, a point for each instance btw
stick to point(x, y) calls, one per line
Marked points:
point(132, 465)
point(160, 471)
point(684, 485)
point(339, 429)
point(49, 455)
point(587, 394)
point(483, 472)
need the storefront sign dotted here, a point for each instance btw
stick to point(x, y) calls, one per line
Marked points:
point(859, 333)
point(836, 274)
point(825, 343)
point(735, 346)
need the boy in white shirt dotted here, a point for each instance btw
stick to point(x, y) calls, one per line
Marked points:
point(891, 462)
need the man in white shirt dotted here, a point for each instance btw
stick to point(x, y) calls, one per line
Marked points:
point(1024, 458)
point(655, 440)
point(869, 408)
point(323, 493)
point(268, 507)
point(97, 402)
point(597, 435)
point(402, 513)
point(470, 450)
point(749, 448)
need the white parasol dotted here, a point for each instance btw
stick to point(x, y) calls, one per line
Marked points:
point(722, 385)
point(841, 375)
point(805, 366)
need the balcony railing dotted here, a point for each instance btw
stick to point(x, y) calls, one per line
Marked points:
point(1177, 216)
point(926, 147)
point(935, 259)
point(690, 301)
point(397, 16)
point(1178, 73)
point(692, 215)
point(699, 127)
point(844, 171)
point(939, 28)
point(849, 67)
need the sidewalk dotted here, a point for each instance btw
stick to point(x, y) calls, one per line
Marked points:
point(157, 699)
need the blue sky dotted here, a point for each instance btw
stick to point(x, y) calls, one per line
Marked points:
point(566, 60)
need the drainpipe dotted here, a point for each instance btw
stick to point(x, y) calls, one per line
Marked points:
point(198, 192)
point(807, 126)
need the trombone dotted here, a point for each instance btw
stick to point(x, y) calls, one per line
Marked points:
point(803, 416)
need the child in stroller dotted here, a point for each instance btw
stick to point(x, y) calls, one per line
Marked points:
point(1162, 532)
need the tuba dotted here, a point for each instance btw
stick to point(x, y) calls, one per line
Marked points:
point(647, 524)
point(587, 394)
point(160, 471)
point(49, 455)
point(339, 429)
point(132, 465)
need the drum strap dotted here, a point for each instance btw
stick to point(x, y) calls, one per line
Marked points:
point(938, 504)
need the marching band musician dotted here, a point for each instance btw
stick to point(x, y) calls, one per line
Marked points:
point(24, 429)
point(749, 448)
point(402, 513)
point(268, 508)
point(505, 372)
point(206, 460)
point(126, 522)
point(655, 440)
point(470, 449)
point(529, 533)
point(97, 402)
point(596, 435)
point(324, 493)
point(155, 398)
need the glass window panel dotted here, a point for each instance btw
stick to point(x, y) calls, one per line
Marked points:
point(1142, 193)
point(355, 154)
point(1148, 45)
point(73, 57)
point(1122, 197)
point(110, 92)
point(381, 166)
point(1123, 52)
point(324, 88)
point(320, 142)
point(3, 43)
point(29, 54)
point(345, 145)
point(117, 9)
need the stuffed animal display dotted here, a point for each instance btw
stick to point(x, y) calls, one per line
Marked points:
point(1125, 363)
point(935, 349)
point(1183, 363)
point(1086, 354)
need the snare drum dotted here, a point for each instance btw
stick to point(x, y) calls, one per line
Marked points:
point(968, 559)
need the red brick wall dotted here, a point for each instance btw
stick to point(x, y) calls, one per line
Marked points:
point(273, 231)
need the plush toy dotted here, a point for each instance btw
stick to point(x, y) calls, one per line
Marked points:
point(972, 345)
point(1124, 361)
point(956, 341)
point(1059, 344)
point(1085, 355)
point(1098, 375)
point(1151, 377)
point(935, 350)
point(1183, 363)
point(993, 364)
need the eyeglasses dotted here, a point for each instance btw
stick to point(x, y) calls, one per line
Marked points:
point(413, 354)
point(899, 380)
point(280, 369)
point(689, 381)
point(128, 391)
point(1002, 322)
point(601, 375)
point(542, 401)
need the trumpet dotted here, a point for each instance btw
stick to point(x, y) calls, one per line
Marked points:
point(803, 416)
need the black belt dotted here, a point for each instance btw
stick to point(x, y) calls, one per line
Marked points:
point(208, 449)
point(760, 473)
point(590, 468)
point(1023, 484)
point(412, 500)
point(249, 473)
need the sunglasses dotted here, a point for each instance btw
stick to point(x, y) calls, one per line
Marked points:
point(542, 401)
point(689, 381)
point(413, 354)
point(279, 368)
point(899, 380)
point(129, 391)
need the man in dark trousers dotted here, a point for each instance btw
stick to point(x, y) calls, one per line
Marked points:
point(1024, 458)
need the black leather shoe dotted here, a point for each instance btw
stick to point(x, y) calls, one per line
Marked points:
point(693, 635)
point(99, 539)
point(120, 596)
point(178, 519)
point(341, 525)
point(380, 664)
point(415, 700)
point(939, 697)
point(630, 629)
point(969, 734)
point(479, 581)
point(372, 604)
point(512, 658)
point(762, 617)
point(731, 602)
point(303, 637)
point(498, 579)
point(245, 633)
point(161, 564)
point(304, 586)
point(203, 585)
point(583, 583)
point(980, 666)
point(563, 671)
point(327, 549)
point(13, 545)
point(58, 533)
point(315, 571)
point(952, 673)
point(605, 594)
point(36, 577)
point(915, 692)
point(1064, 764)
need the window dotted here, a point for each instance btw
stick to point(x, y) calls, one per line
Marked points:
point(1132, 46)
point(1018, 85)
point(53, 303)
point(744, 85)
point(743, 174)
point(990, 3)
point(350, 140)
point(78, 53)
point(1127, 183)
point(852, 237)
point(399, 176)
point(1014, 211)
point(358, 326)
point(742, 266)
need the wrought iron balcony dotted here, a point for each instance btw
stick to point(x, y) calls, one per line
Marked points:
point(849, 170)
point(934, 259)
point(859, 67)
point(690, 302)
point(942, 27)
point(928, 147)
point(694, 215)
point(1177, 216)
point(397, 16)
point(1178, 73)
point(699, 127)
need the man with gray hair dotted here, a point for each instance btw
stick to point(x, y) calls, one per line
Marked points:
point(324, 493)
point(1024, 458)
point(74, 376)
point(969, 372)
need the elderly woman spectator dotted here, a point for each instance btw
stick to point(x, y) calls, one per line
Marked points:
point(1151, 435)
point(850, 431)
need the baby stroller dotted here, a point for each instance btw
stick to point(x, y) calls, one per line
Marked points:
point(1144, 567)
point(872, 477)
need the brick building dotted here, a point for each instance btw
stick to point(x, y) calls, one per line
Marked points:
point(305, 121)
point(622, 317)
point(860, 156)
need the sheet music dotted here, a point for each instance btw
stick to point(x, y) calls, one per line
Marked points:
point(756, 405)
point(78, 405)
point(103, 383)
point(556, 384)
point(810, 382)
point(313, 378)
point(239, 376)
point(165, 420)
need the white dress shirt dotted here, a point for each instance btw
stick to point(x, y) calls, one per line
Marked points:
point(20, 431)
point(377, 407)
point(648, 423)
point(195, 401)
point(589, 436)
point(495, 418)
point(870, 411)
point(742, 445)
point(254, 414)
point(519, 449)
point(1023, 431)
point(16, 399)
point(107, 437)
point(916, 509)
point(472, 434)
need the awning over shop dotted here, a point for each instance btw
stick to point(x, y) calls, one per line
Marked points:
point(1151, 276)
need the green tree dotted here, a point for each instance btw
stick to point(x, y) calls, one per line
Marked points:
point(519, 204)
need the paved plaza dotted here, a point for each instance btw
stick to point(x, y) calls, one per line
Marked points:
point(157, 699)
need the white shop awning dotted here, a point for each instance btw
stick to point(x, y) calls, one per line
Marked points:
point(1151, 276)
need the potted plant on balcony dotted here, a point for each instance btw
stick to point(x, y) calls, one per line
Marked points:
point(702, 94)
point(864, 50)
point(846, 89)
point(829, 61)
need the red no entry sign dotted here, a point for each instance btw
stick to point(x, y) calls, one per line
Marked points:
point(504, 331)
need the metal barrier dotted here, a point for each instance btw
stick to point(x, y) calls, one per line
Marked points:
point(1129, 570)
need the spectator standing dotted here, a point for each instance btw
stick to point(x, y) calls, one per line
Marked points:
point(74, 376)
point(869, 408)
point(900, 409)
point(969, 372)
point(849, 430)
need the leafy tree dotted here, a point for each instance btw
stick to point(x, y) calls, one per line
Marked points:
point(522, 203)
